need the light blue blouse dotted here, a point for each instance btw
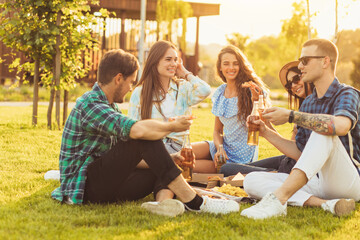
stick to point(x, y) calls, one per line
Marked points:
point(184, 95)
point(235, 131)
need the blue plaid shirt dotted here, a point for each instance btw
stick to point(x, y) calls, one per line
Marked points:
point(339, 100)
point(92, 128)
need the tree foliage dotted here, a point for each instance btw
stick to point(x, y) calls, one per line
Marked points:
point(169, 10)
point(269, 53)
point(29, 26)
point(355, 74)
point(238, 40)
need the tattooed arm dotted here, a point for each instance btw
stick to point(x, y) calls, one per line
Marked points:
point(323, 123)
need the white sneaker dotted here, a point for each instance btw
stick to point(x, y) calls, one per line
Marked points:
point(168, 207)
point(217, 206)
point(268, 207)
point(339, 207)
point(52, 175)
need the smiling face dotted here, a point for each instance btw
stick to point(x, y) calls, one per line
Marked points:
point(168, 64)
point(313, 69)
point(296, 88)
point(229, 66)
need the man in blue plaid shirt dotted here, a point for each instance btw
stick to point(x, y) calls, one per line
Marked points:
point(327, 145)
point(107, 157)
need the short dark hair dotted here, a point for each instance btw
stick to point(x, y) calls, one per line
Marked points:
point(326, 48)
point(115, 62)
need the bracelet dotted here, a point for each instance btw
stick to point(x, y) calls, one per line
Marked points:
point(187, 74)
point(291, 116)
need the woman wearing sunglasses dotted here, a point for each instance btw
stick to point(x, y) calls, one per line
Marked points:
point(297, 91)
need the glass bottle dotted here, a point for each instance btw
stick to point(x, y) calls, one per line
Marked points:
point(187, 153)
point(221, 158)
point(253, 132)
point(261, 106)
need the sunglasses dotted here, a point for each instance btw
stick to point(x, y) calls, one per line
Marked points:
point(295, 80)
point(304, 60)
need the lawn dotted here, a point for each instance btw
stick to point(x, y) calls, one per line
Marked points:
point(28, 212)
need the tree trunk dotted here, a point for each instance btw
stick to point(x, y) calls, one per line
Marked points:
point(66, 102)
point(308, 19)
point(336, 37)
point(50, 107)
point(57, 72)
point(36, 92)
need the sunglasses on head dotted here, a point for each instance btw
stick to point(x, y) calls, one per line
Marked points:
point(295, 80)
point(304, 60)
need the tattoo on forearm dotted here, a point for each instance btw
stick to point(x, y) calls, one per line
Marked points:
point(320, 123)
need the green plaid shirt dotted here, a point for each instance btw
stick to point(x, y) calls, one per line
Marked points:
point(92, 128)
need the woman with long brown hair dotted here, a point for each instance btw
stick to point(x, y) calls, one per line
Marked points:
point(166, 90)
point(232, 103)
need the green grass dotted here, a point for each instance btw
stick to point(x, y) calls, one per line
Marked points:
point(25, 93)
point(28, 212)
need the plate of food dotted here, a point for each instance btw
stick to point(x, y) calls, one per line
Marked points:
point(226, 191)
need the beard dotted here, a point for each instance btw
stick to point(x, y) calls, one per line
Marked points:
point(118, 96)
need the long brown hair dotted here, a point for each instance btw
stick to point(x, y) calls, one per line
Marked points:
point(152, 91)
point(246, 74)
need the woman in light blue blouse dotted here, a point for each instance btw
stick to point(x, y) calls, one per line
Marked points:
point(166, 90)
point(232, 103)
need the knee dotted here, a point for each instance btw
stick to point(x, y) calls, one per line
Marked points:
point(317, 137)
point(227, 169)
point(252, 181)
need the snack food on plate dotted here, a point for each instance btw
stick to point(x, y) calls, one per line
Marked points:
point(231, 190)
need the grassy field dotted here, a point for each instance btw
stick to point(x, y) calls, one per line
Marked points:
point(28, 212)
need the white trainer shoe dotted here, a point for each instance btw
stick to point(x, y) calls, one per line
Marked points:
point(339, 207)
point(217, 206)
point(52, 175)
point(168, 207)
point(268, 207)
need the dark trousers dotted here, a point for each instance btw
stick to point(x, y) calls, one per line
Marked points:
point(114, 177)
point(278, 163)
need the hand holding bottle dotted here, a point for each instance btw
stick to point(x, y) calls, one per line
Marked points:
point(220, 157)
point(189, 158)
point(180, 160)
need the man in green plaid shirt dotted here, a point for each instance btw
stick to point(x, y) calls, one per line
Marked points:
point(102, 149)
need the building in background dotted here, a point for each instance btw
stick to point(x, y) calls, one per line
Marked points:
point(123, 31)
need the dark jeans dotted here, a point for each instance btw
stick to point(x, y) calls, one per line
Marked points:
point(279, 163)
point(114, 177)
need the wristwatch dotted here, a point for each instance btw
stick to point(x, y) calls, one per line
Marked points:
point(291, 116)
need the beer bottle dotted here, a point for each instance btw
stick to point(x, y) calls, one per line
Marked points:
point(221, 157)
point(187, 153)
point(253, 131)
point(261, 107)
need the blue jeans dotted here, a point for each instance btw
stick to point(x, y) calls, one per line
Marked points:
point(278, 163)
